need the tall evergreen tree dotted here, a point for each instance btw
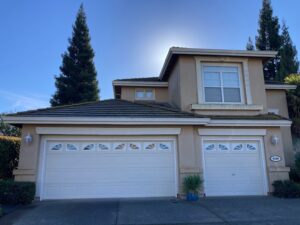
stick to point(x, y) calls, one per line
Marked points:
point(77, 81)
point(288, 56)
point(250, 46)
point(269, 38)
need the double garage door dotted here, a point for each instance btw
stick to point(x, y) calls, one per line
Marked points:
point(108, 168)
point(101, 168)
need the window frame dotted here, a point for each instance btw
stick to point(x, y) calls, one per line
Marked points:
point(144, 90)
point(241, 86)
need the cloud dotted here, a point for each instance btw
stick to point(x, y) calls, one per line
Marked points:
point(15, 102)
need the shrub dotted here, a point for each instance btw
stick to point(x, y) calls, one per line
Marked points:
point(9, 156)
point(13, 192)
point(295, 171)
point(286, 189)
point(295, 175)
point(192, 183)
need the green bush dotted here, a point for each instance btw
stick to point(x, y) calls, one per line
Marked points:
point(9, 156)
point(192, 183)
point(295, 171)
point(295, 175)
point(286, 189)
point(13, 192)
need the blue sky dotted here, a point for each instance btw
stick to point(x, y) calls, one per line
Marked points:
point(130, 38)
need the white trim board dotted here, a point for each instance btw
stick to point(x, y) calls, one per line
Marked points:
point(250, 123)
point(107, 131)
point(144, 121)
point(231, 132)
point(104, 120)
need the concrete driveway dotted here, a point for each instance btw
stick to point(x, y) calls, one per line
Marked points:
point(214, 211)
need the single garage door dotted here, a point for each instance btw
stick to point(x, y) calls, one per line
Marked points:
point(108, 168)
point(233, 168)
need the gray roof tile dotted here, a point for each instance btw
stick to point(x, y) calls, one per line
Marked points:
point(111, 108)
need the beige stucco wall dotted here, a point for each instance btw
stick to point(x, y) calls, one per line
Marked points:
point(257, 83)
point(189, 154)
point(28, 159)
point(161, 93)
point(276, 99)
point(174, 81)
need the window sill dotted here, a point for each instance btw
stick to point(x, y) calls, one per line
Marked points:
point(227, 107)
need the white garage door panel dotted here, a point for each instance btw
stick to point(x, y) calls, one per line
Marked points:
point(119, 169)
point(233, 168)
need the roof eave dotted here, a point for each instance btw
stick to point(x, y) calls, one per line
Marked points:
point(140, 83)
point(145, 121)
point(214, 52)
point(105, 120)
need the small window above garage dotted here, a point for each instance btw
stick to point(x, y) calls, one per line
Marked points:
point(144, 94)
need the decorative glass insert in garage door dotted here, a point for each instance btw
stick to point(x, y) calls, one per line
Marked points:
point(236, 146)
point(111, 146)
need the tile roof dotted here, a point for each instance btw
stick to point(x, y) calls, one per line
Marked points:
point(111, 108)
point(122, 108)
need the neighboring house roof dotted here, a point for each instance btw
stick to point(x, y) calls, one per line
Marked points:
point(122, 112)
point(174, 52)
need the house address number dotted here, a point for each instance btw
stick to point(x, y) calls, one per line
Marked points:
point(275, 158)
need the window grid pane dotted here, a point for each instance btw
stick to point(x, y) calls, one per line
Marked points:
point(213, 94)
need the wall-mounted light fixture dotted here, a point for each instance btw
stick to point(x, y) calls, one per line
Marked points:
point(28, 139)
point(274, 140)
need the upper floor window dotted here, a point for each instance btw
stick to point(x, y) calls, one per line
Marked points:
point(144, 94)
point(222, 84)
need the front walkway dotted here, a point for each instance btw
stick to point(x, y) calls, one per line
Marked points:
point(214, 211)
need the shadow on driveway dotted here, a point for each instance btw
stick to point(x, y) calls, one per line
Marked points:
point(213, 211)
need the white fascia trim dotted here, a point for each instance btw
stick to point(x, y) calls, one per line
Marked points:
point(223, 52)
point(106, 120)
point(280, 87)
point(140, 83)
point(231, 132)
point(250, 123)
point(106, 131)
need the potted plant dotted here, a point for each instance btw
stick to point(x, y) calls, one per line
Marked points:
point(191, 185)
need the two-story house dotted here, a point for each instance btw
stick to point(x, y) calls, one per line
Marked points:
point(209, 112)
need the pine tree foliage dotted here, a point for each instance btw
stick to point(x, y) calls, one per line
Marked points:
point(289, 63)
point(269, 38)
point(250, 46)
point(77, 81)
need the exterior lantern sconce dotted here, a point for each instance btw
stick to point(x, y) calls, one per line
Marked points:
point(28, 139)
point(274, 140)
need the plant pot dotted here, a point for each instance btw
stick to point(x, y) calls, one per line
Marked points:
point(192, 197)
